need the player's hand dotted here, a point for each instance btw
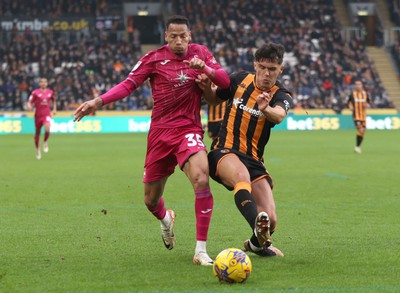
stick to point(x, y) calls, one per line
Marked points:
point(54, 113)
point(263, 101)
point(86, 108)
point(203, 82)
point(195, 63)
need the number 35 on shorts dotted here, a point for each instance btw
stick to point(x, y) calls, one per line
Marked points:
point(194, 139)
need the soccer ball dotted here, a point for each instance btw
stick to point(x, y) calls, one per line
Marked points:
point(232, 265)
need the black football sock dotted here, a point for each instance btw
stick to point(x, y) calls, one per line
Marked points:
point(359, 140)
point(247, 206)
point(254, 241)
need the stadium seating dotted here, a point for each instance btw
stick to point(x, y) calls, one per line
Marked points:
point(394, 9)
point(320, 65)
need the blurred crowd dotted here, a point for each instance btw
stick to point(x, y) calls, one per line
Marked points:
point(55, 8)
point(319, 65)
point(394, 9)
point(77, 71)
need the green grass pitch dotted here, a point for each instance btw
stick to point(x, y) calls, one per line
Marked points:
point(75, 221)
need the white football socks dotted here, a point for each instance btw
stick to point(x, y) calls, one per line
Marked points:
point(201, 246)
point(167, 220)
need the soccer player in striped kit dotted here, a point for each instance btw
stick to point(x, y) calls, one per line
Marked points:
point(215, 116)
point(176, 134)
point(358, 102)
point(256, 102)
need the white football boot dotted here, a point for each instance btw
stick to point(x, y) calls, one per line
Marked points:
point(45, 147)
point(202, 258)
point(167, 232)
point(261, 229)
point(38, 154)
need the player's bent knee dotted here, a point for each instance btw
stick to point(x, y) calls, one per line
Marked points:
point(199, 178)
point(150, 201)
point(241, 176)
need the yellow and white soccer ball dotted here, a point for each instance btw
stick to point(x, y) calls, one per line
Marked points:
point(232, 265)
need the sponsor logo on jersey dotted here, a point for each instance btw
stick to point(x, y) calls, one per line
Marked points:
point(165, 62)
point(238, 103)
point(360, 100)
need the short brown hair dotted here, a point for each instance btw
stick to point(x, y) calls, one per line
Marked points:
point(271, 51)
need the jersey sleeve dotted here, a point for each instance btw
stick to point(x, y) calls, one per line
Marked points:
point(209, 59)
point(282, 98)
point(350, 99)
point(53, 97)
point(142, 70)
point(32, 97)
point(226, 94)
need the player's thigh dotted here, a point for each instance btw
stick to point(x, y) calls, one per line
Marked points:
point(192, 157)
point(47, 124)
point(160, 159)
point(38, 125)
point(360, 125)
point(364, 125)
point(196, 166)
point(231, 170)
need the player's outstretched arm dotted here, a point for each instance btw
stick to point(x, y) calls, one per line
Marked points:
point(29, 105)
point(86, 108)
point(54, 111)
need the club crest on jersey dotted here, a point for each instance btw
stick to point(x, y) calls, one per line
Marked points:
point(182, 78)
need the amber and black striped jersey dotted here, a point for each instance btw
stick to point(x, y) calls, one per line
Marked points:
point(216, 112)
point(359, 100)
point(245, 128)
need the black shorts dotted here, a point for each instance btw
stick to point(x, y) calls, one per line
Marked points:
point(359, 123)
point(256, 168)
point(213, 128)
